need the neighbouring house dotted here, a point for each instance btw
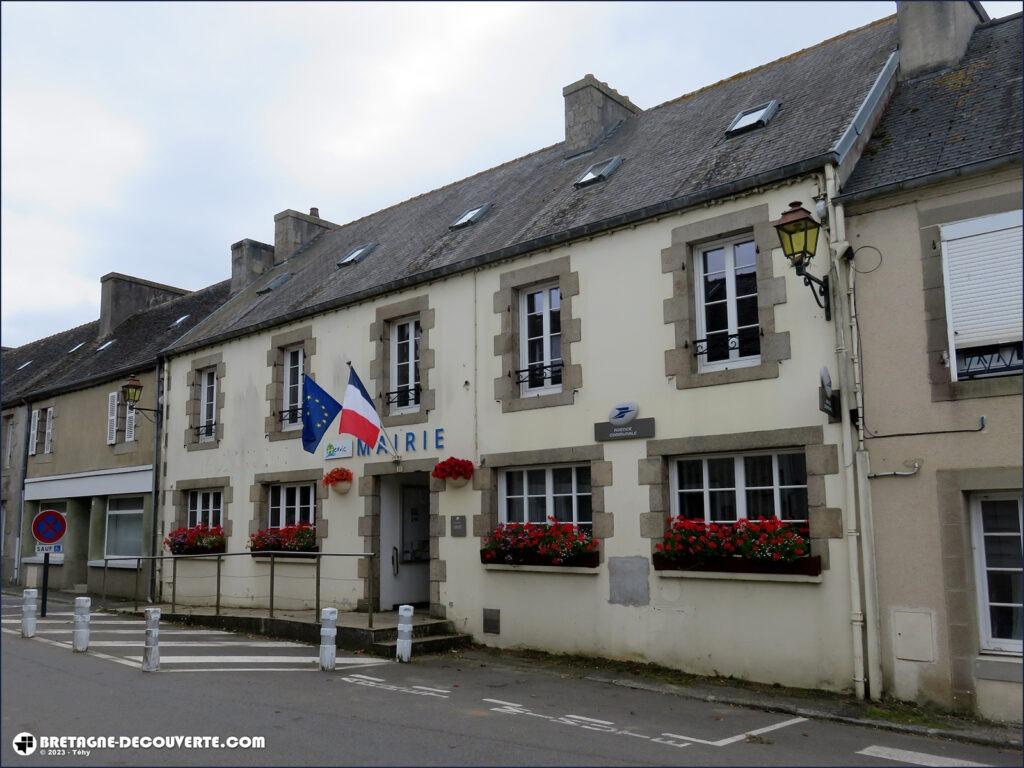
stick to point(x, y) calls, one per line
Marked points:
point(933, 214)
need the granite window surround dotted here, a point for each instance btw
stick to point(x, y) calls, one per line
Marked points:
point(953, 489)
point(933, 285)
point(507, 343)
point(369, 529)
point(192, 404)
point(275, 389)
point(259, 497)
point(485, 480)
point(179, 499)
point(680, 311)
point(822, 459)
point(380, 366)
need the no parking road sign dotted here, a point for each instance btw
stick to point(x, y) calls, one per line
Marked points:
point(48, 528)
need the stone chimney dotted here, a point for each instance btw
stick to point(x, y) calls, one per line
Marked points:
point(592, 109)
point(933, 34)
point(249, 260)
point(292, 230)
point(123, 296)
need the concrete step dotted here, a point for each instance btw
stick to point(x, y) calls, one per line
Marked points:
point(80, 589)
point(420, 645)
point(431, 628)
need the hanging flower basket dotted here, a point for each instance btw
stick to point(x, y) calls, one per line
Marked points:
point(456, 471)
point(338, 480)
point(746, 546)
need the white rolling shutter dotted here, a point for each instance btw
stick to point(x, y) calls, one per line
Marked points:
point(982, 262)
point(48, 436)
point(112, 418)
point(33, 432)
point(129, 424)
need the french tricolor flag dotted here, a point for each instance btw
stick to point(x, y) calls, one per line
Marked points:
point(358, 416)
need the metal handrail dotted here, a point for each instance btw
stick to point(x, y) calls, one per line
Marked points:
point(220, 555)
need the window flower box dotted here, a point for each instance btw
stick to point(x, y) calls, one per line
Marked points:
point(553, 543)
point(299, 540)
point(456, 471)
point(338, 480)
point(197, 540)
point(766, 546)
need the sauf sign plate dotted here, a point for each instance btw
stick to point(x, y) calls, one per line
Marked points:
point(623, 424)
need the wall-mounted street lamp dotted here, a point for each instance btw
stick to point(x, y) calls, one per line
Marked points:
point(798, 235)
point(131, 393)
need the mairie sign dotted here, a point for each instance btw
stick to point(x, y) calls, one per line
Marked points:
point(410, 441)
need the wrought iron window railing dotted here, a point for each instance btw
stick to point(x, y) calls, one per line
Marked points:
point(718, 346)
point(291, 415)
point(403, 396)
point(991, 360)
point(536, 374)
point(206, 431)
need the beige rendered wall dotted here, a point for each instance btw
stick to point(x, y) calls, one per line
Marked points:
point(929, 627)
point(11, 484)
point(792, 633)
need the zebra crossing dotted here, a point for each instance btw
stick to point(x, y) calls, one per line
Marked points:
point(120, 639)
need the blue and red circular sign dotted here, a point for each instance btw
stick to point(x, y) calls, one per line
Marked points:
point(49, 526)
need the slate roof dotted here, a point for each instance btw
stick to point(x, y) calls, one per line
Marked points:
point(137, 344)
point(674, 155)
point(952, 118)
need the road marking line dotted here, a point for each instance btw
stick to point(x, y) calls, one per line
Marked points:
point(194, 644)
point(740, 737)
point(163, 632)
point(242, 669)
point(233, 659)
point(590, 720)
point(367, 677)
point(428, 688)
point(97, 654)
point(136, 623)
point(915, 758)
point(505, 703)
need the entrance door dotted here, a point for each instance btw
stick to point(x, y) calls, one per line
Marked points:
point(405, 541)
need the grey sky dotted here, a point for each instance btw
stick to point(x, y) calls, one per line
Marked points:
point(146, 138)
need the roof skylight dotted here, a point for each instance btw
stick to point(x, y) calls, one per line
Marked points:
point(598, 172)
point(25, 365)
point(104, 345)
point(179, 321)
point(357, 254)
point(749, 119)
point(277, 282)
point(77, 346)
point(472, 216)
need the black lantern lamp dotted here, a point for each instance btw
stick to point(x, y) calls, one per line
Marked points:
point(798, 235)
point(131, 393)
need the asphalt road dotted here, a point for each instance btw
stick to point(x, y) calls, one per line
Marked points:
point(443, 710)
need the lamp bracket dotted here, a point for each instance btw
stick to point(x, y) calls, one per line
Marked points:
point(819, 289)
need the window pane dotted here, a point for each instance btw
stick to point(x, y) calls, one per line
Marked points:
point(691, 474)
point(716, 317)
point(535, 482)
point(750, 341)
point(402, 354)
point(556, 348)
point(582, 479)
point(534, 302)
point(794, 503)
point(717, 347)
point(758, 471)
point(714, 260)
point(124, 535)
point(1006, 622)
point(714, 287)
point(723, 505)
point(745, 254)
point(691, 505)
point(121, 505)
point(583, 511)
point(535, 351)
point(746, 282)
point(1002, 552)
point(562, 478)
point(555, 321)
point(563, 508)
point(721, 473)
point(305, 495)
point(402, 332)
point(760, 504)
point(746, 311)
point(534, 326)
point(275, 495)
point(514, 510)
point(1000, 516)
point(792, 469)
point(556, 299)
point(402, 379)
point(1005, 587)
point(555, 375)
point(538, 509)
point(514, 483)
point(289, 515)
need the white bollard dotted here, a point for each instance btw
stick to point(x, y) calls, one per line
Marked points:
point(29, 612)
point(403, 648)
point(80, 634)
point(328, 637)
point(151, 653)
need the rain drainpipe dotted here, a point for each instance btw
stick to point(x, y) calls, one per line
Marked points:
point(155, 505)
point(21, 505)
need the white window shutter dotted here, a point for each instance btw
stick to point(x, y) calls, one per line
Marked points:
point(48, 437)
point(112, 418)
point(129, 424)
point(982, 260)
point(33, 433)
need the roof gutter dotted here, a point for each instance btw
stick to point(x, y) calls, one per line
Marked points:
point(915, 182)
point(42, 394)
point(673, 205)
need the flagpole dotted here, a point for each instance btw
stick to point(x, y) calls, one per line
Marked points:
point(387, 437)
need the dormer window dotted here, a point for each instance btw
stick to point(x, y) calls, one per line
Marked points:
point(25, 365)
point(179, 321)
point(472, 216)
point(77, 346)
point(277, 282)
point(357, 254)
point(598, 172)
point(104, 345)
point(750, 119)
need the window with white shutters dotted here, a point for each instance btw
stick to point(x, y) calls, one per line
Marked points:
point(112, 418)
point(33, 433)
point(981, 260)
point(129, 424)
point(48, 438)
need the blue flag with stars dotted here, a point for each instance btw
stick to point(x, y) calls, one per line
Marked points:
point(318, 411)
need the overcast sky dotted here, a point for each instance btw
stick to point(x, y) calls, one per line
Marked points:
point(146, 138)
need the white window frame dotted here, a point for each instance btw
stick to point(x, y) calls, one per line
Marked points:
point(740, 487)
point(48, 434)
point(549, 494)
point(141, 512)
point(208, 503)
point(280, 509)
point(33, 433)
point(413, 363)
point(728, 247)
point(990, 644)
point(287, 403)
point(548, 388)
point(208, 404)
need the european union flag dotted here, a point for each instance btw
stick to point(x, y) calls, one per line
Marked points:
point(318, 411)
